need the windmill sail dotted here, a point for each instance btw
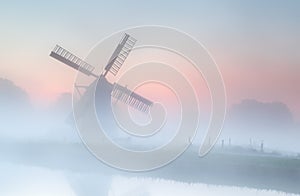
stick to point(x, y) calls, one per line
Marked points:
point(120, 54)
point(73, 61)
point(114, 64)
point(131, 98)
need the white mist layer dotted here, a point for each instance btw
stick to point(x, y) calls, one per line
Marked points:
point(122, 186)
point(16, 180)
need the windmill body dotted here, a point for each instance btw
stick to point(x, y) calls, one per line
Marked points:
point(105, 90)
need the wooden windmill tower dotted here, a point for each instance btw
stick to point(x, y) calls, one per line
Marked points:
point(114, 64)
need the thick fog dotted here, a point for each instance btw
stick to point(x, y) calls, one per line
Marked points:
point(252, 122)
point(42, 154)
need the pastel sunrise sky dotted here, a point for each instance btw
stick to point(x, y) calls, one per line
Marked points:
point(255, 43)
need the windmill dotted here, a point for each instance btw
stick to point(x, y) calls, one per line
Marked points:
point(113, 66)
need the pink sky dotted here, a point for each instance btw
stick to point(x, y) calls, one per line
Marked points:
point(267, 80)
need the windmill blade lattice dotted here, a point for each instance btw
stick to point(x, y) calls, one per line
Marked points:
point(131, 98)
point(73, 61)
point(120, 54)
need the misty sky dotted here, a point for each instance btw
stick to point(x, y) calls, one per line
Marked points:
point(255, 43)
